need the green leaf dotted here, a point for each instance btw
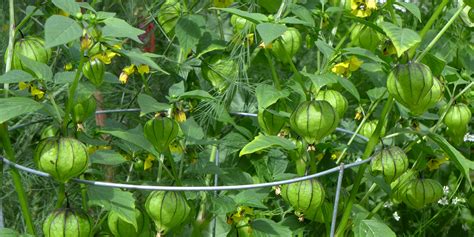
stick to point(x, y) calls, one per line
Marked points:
point(375, 93)
point(372, 228)
point(64, 77)
point(402, 38)
point(262, 142)
point(134, 136)
point(192, 130)
point(295, 21)
point(176, 89)
point(325, 48)
point(189, 30)
point(320, 80)
point(270, 31)
point(60, 30)
point(268, 95)
point(143, 58)
point(69, 6)
point(148, 104)
point(41, 70)
point(303, 13)
point(463, 164)
point(16, 106)
point(252, 197)
point(114, 199)
point(107, 157)
point(436, 64)
point(363, 53)
point(115, 27)
point(411, 7)
point(197, 94)
point(207, 44)
point(266, 227)
point(349, 86)
point(253, 17)
point(15, 76)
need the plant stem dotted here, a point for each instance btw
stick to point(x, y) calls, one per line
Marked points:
point(72, 91)
point(61, 195)
point(428, 25)
point(440, 33)
point(10, 153)
point(11, 44)
point(84, 195)
point(374, 139)
point(276, 79)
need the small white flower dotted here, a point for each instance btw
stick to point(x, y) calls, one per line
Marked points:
point(443, 201)
point(445, 190)
point(396, 216)
point(457, 200)
point(388, 204)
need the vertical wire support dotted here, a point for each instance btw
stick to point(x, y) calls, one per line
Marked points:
point(216, 179)
point(336, 200)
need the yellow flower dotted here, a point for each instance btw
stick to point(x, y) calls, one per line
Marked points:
point(354, 63)
point(341, 68)
point(223, 3)
point(107, 56)
point(37, 93)
point(86, 42)
point(129, 70)
point(346, 67)
point(358, 116)
point(363, 8)
point(142, 69)
point(68, 67)
point(149, 161)
point(434, 164)
point(23, 85)
point(123, 78)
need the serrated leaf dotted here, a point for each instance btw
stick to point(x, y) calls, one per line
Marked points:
point(16, 106)
point(349, 86)
point(107, 157)
point(188, 31)
point(270, 31)
point(372, 228)
point(268, 95)
point(60, 30)
point(252, 197)
point(253, 17)
point(363, 53)
point(115, 27)
point(320, 80)
point(114, 199)
point(69, 6)
point(262, 142)
point(402, 38)
point(134, 136)
point(464, 165)
point(143, 58)
point(148, 104)
point(265, 227)
point(15, 76)
point(41, 70)
point(412, 8)
point(197, 94)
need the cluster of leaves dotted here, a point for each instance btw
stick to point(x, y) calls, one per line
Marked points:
point(167, 57)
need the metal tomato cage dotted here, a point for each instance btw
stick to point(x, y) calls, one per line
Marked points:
point(340, 169)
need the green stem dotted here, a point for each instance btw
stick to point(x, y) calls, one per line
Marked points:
point(11, 44)
point(374, 139)
point(61, 195)
point(276, 79)
point(428, 24)
point(440, 33)
point(10, 153)
point(72, 91)
point(25, 20)
point(219, 21)
point(160, 167)
point(84, 195)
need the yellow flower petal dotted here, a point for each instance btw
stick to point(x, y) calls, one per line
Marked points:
point(142, 69)
point(434, 164)
point(341, 68)
point(123, 78)
point(37, 92)
point(23, 85)
point(354, 63)
point(129, 70)
point(149, 162)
